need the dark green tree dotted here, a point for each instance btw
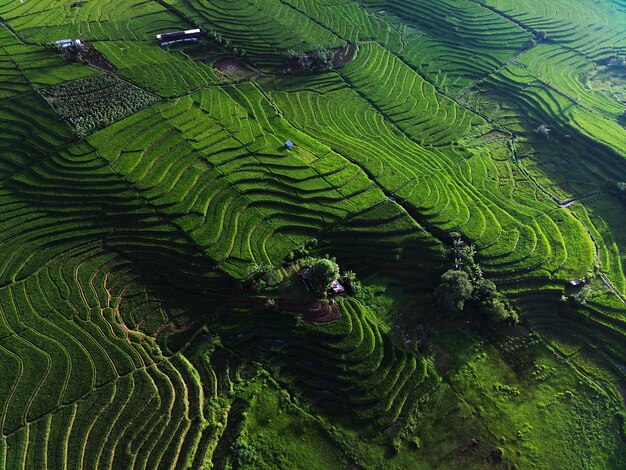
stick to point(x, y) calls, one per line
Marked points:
point(485, 290)
point(455, 289)
point(323, 271)
point(498, 310)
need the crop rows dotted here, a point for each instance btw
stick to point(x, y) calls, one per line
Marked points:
point(562, 68)
point(202, 163)
point(595, 32)
point(353, 22)
point(166, 73)
point(531, 102)
point(85, 385)
point(82, 389)
point(264, 29)
point(29, 129)
point(126, 20)
point(352, 363)
point(122, 251)
point(463, 40)
point(518, 232)
point(407, 99)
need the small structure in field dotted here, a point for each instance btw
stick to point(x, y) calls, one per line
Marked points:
point(576, 282)
point(336, 288)
point(65, 43)
point(289, 145)
point(189, 35)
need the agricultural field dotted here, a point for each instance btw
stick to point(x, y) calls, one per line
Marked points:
point(313, 234)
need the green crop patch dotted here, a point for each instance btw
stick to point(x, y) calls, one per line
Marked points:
point(266, 234)
point(92, 103)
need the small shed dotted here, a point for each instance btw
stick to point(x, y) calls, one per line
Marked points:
point(289, 145)
point(65, 43)
point(577, 282)
point(189, 35)
point(336, 288)
point(305, 274)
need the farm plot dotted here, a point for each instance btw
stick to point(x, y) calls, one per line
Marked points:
point(226, 178)
point(442, 60)
point(47, 21)
point(80, 385)
point(352, 364)
point(563, 69)
point(530, 102)
point(594, 31)
point(78, 306)
point(463, 41)
point(353, 22)
point(520, 233)
point(12, 80)
point(168, 74)
point(408, 100)
point(95, 102)
point(29, 130)
point(123, 251)
point(264, 29)
point(22, 64)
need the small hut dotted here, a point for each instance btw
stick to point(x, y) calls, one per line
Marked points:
point(289, 145)
point(336, 288)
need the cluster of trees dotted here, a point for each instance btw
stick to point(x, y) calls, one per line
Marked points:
point(243, 452)
point(580, 296)
point(540, 36)
point(262, 276)
point(301, 251)
point(318, 60)
point(617, 62)
point(322, 272)
point(464, 289)
point(226, 43)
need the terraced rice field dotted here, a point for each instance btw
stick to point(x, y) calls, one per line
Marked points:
point(135, 203)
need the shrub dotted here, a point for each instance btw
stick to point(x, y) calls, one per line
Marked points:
point(582, 296)
point(243, 453)
point(543, 130)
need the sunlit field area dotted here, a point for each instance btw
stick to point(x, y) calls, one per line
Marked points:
point(312, 234)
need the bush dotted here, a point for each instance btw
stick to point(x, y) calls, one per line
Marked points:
point(243, 453)
point(582, 296)
point(264, 275)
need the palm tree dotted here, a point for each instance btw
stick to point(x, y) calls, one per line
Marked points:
point(478, 270)
point(459, 245)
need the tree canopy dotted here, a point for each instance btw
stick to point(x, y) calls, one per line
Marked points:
point(323, 272)
point(455, 289)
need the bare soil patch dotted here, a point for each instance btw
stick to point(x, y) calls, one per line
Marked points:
point(343, 55)
point(232, 69)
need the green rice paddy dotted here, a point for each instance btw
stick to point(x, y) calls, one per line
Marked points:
point(135, 200)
